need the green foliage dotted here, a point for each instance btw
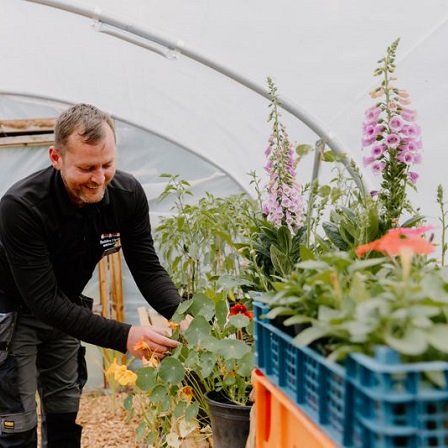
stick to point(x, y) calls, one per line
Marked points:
point(164, 403)
point(197, 242)
point(443, 222)
point(345, 305)
point(218, 352)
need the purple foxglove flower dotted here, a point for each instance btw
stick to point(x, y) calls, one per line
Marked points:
point(406, 157)
point(368, 141)
point(413, 176)
point(392, 141)
point(378, 167)
point(373, 113)
point(366, 161)
point(378, 150)
point(408, 114)
point(396, 123)
point(411, 130)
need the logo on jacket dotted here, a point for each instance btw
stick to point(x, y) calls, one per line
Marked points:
point(110, 242)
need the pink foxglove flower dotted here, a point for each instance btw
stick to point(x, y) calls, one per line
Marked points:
point(413, 176)
point(284, 205)
point(378, 167)
point(390, 124)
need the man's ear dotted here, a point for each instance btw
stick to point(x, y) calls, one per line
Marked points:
point(55, 157)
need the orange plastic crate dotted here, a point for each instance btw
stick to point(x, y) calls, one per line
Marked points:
point(280, 423)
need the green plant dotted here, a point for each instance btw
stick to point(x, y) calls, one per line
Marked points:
point(164, 404)
point(443, 222)
point(342, 303)
point(198, 241)
point(216, 354)
point(349, 304)
point(394, 140)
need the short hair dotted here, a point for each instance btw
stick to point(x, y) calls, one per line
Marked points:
point(84, 119)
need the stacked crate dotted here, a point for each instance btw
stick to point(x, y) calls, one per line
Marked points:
point(367, 403)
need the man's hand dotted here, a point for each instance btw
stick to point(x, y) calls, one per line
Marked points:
point(156, 338)
point(185, 323)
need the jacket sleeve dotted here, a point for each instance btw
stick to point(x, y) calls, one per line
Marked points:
point(23, 237)
point(151, 278)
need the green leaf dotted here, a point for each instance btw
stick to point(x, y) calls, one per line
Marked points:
point(306, 253)
point(278, 311)
point(413, 221)
point(327, 314)
point(206, 363)
point(171, 370)
point(313, 264)
point(437, 336)
point(232, 348)
point(159, 395)
point(141, 431)
point(239, 321)
point(128, 402)
point(298, 319)
point(413, 342)
point(365, 264)
point(198, 330)
point(333, 234)
point(358, 291)
point(437, 377)
point(221, 312)
point(180, 409)
point(284, 239)
point(202, 306)
point(246, 365)
point(280, 261)
point(192, 411)
point(303, 149)
point(309, 335)
point(328, 156)
point(146, 378)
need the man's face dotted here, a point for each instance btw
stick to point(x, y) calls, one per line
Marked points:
point(86, 169)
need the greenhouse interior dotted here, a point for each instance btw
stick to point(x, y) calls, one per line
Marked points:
point(202, 95)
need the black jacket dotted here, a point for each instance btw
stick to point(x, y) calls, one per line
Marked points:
point(49, 249)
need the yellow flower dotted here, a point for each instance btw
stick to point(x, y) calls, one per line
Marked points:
point(121, 374)
point(112, 368)
point(142, 345)
point(172, 325)
point(125, 377)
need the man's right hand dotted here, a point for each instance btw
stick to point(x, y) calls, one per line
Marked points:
point(156, 338)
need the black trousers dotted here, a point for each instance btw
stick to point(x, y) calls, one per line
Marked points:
point(45, 359)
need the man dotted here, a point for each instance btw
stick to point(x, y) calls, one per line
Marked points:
point(55, 225)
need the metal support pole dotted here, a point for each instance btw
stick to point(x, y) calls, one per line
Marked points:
point(179, 47)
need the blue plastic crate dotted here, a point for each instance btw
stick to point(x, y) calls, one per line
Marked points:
point(395, 404)
point(371, 402)
point(318, 387)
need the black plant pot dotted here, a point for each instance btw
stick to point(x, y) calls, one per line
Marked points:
point(230, 422)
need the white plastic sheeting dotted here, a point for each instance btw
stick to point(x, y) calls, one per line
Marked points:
point(320, 53)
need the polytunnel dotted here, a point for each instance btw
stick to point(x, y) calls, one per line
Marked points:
point(186, 82)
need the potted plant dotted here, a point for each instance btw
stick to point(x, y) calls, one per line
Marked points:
point(211, 368)
point(370, 361)
point(218, 359)
point(198, 244)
